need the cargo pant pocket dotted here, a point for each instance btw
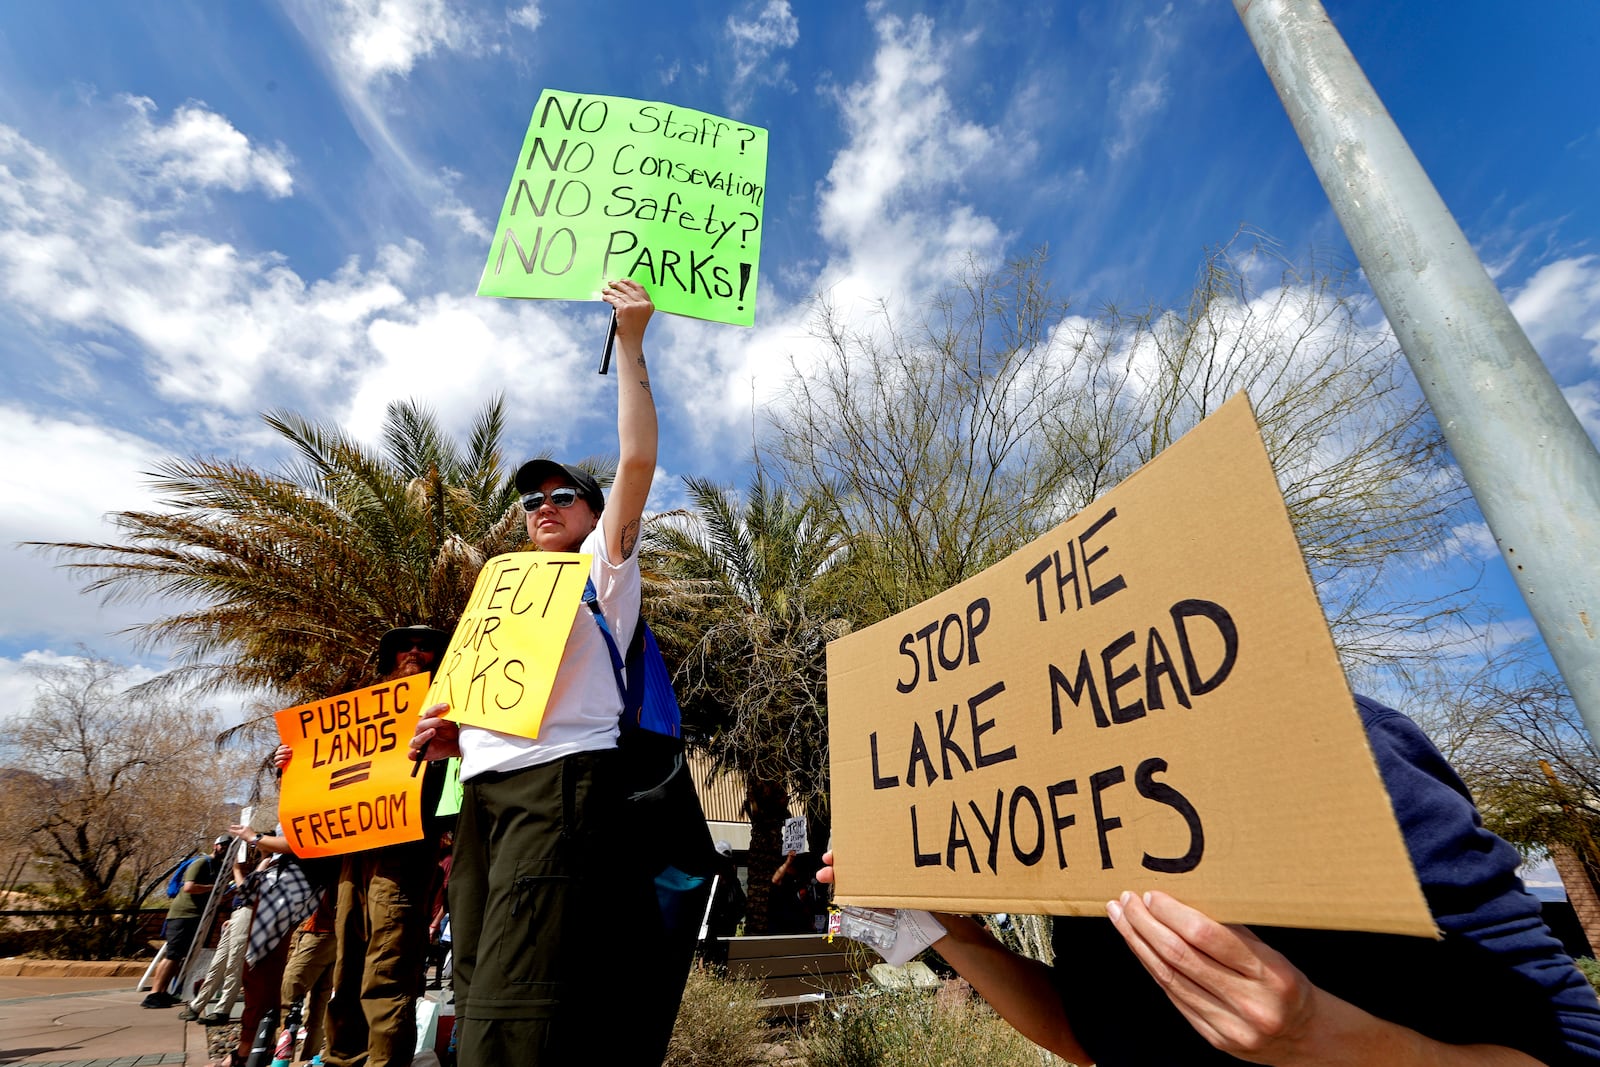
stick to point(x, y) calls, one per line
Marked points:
point(533, 952)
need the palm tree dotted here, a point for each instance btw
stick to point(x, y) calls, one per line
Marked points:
point(286, 581)
point(743, 599)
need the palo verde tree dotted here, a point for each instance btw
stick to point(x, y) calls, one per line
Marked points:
point(1507, 724)
point(944, 445)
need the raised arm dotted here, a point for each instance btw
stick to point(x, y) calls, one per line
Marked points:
point(264, 842)
point(636, 420)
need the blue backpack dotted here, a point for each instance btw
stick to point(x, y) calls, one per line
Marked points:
point(175, 883)
point(666, 806)
point(643, 681)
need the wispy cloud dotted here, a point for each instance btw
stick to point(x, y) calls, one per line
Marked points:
point(889, 203)
point(757, 37)
point(1472, 542)
point(199, 149)
point(528, 16)
point(369, 48)
point(1140, 94)
point(891, 210)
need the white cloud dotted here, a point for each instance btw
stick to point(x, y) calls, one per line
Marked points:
point(528, 16)
point(384, 38)
point(74, 475)
point(226, 334)
point(198, 148)
point(1585, 400)
point(887, 201)
point(1135, 105)
point(218, 324)
point(891, 211)
point(451, 353)
point(450, 208)
point(1472, 541)
point(1559, 309)
point(756, 38)
point(19, 688)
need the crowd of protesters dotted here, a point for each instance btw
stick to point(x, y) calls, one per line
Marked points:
point(546, 893)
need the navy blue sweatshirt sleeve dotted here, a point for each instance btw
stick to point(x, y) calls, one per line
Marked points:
point(1468, 875)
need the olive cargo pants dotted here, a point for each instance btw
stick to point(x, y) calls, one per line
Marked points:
point(550, 912)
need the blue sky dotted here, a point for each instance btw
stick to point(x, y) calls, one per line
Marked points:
point(209, 210)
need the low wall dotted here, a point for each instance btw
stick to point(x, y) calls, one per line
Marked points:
point(28, 968)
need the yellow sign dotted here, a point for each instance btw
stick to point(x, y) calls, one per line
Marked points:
point(348, 786)
point(1146, 697)
point(503, 656)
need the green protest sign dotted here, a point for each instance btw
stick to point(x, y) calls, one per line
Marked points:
point(607, 187)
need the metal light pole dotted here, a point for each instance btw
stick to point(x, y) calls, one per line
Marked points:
point(1533, 470)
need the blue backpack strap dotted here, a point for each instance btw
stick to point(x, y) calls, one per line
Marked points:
point(648, 701)
point(592, 599)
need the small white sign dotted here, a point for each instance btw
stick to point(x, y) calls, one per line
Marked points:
point(794, 834)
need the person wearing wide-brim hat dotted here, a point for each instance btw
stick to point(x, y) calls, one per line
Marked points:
point(381, 906)
point(545, 895)
point(409, 640)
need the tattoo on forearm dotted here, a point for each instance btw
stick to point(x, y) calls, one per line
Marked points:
point(630, 538)
point(644, 383)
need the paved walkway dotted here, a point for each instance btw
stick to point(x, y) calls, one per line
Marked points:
point(55, 1021)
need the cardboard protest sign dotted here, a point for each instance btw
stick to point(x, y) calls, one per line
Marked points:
point(502, 658)
point(607, 187)
point(348, 786)
point(794, 834)
point(1146, 697)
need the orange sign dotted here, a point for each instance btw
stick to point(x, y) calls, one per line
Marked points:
point(348, 786)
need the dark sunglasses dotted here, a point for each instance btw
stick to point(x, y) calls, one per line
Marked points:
point(416, 645)
point(564, 497)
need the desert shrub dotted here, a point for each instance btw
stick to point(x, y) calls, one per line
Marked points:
point(913, 1029)
point(718, 1023)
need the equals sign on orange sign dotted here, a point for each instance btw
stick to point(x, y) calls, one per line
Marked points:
point(356, 772)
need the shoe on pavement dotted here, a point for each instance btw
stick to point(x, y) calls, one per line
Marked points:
point(220, 1018)
point(188, 1014)
point(158, 1000)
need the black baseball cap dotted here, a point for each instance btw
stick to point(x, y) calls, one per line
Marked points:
point(536, 472)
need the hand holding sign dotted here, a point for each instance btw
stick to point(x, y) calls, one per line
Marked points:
point(436, 737)
point(630, 314)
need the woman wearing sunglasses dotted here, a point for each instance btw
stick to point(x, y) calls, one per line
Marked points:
point(544, 901)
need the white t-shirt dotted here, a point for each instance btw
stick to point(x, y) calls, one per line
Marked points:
point(584, 707)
